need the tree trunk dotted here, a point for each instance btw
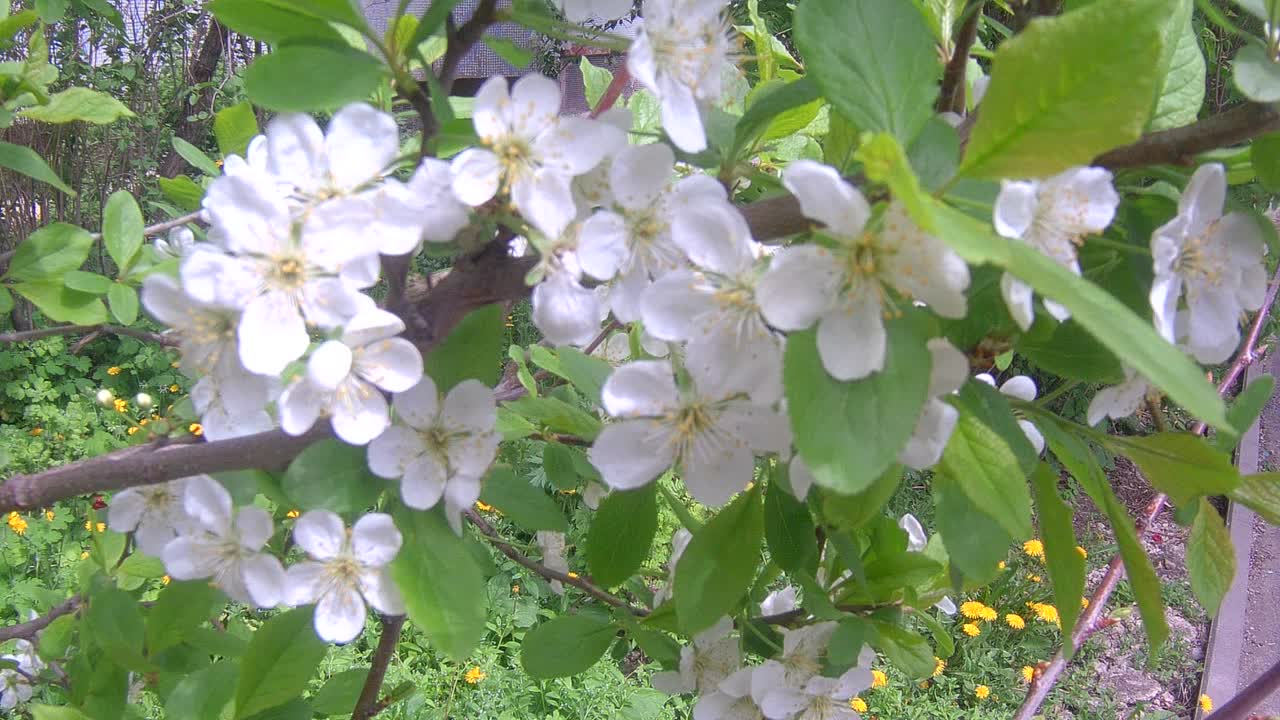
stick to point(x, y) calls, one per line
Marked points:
point(200, 74)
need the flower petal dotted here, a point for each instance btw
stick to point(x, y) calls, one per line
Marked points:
point(340, 614)
point(631, 453)
point(798, 288)
point(375, 539)
point(253, 527)
point(640, 388)
point(535, 104)
point(304, 582)
point(272, 334)
point(715, 237)
point(359, 413)
point(190, 558)
point(208, 503)
point(565, 311)
point(263, 577)
point(320, 533)
point(126, 510)
point(299, 406)
point(681, 118)
point(381, 592)
point(602, 244)
point(1015, 207)
point(361, 143)
point(393, 450)
point(545, 199)
point(423, 482)
point(825, 196)
point(715, 473)
point(674, 305)
point(640, 173)
point(419, 405)
point(851, 341)
point(394, 365)
point(469, 407)
point(476, 175)
point(1017, 297)
point(329, 365)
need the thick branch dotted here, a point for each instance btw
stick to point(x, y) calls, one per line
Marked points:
point(145, 335)
point(1180, 145)
point(951, 98)
point(28, 630)
point(367, 706)
point(1254, 693)
point(464, 38)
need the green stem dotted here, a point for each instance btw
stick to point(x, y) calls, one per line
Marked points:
point(1057, 392)
point(756, 631)
point(682, 512)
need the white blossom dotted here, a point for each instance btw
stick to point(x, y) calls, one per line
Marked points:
point(845, 289)
point(179, 242)
point(225, 546)
point(438, 449)
point(801, 659)
point(1022, 388)
point(948, 371)
point(14, 689)
point(566, 312)
point(344, 376)
point(234, 405)
point(821, 698)
point(712, 432)
point(780, 601)
point(347, 570)
point(679, 53)
point(153, 513)
point(424, 208)
point(1053, 216)
point(359, 146)
point(1119, 401)
point(529, 151)
point(731, 700)
point(206, 331)
point(1215, 261)
point(709, 659)
point(679, 541)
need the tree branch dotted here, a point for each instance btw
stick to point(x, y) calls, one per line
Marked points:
point(145, 335)
point(951, 97)
point(1238, 707)
point(1180, 145)
point(1088, 622)
point(28, 630)
point(464, 38)
point(368, 706)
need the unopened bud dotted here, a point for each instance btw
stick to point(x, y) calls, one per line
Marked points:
point(106, 397)
point(143, 401)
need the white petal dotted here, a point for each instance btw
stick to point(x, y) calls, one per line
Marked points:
point(381, 592)
point(824, 196)
point(375, 539)
point(359, 413)
point(263, 576)
point(801, 478)
point(164, 299)
point(716, 473)
point(126, 510)
point(190, 558)
point(916, 538)
point(602, 244)
point(783, 702)
point(535, 103)
point(851, 341)
point(469, 407)
point(565, 312)
point(304, 582)
point(949, 367)
point(371, 325)
point(295, 149)
point(798, 287)
point(394, 365)
point(1204, 197)
point(576, 145)
point(153, 533)
point(419, 405)
point(1017, 296)
point(362, 143)
point(946, 606)
point(1021, 387)
point(674, 305)
point(682, 120)
point(476, 175)
point(321, 533)
point(1033, 434)
point(331, 301)
point(491, 113)
point(715, 237)
point(340, 614)
point(423, 483)
point(640, 388)
point(631, 453)
point(209, 503)
point(760, 428)
point(253, 527)
point(393, 450)
point(299, 406)
point(546, 200)
point(929, 438)
point(329, 365)
point(272, 334)
point(1015, 208)
point(1165, 291)
point(640, 173)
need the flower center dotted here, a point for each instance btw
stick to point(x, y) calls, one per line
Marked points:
point(343, 571)
point(692, 50)
point(1199, 258)
point(515, 157)
point(287, 272)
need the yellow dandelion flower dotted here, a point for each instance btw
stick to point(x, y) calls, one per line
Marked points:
point(515, 589)
point(1206, 703)
point(483, 507)
point(84, 555)
point(573, 575)
point(1002, 565)
point(174, 364)
point(165, 579)
point(292, 514)
point(879, 679)
point(858, 704)
point(982, 692)
point(1084, 603)
point(989, 614)
point(174, 388)
point(121, 405)
point(132, 430)
point(474, 675)
point(1046, 612)
point(1084, 554)
point(1015, 621)
point(37, 431)
point(1033, 548)
point(144, 421)
point(971, 629)
point(113, 370)
point(938, 665)
point(195, 429)
point(48, 515)
point(972, 609)
point(17, 523)
point(88, 525)
point(1028, 673)
point(102, 527)
point(1035, 578)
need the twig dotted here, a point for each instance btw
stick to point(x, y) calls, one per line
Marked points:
point(604, 334)
point(1180, 145)
point(1088, 622)
point(576, 581)
point(951, 97)
point(367, 706)
point(611, 93)
point(145, 335)
point(1238, 707)
point(29, 629)
point(462, 40)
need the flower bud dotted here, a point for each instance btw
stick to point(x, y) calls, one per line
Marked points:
point(106, 397)
point(143, 401)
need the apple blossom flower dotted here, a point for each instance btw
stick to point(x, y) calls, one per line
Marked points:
point(680, 51)
point(730, 700)
point(845, 288)
point(780, 601)
point(948, 371)
point(225, 546)
point(359, 146)
point(821, 698)
point(14, 688)
point(347, 570)
point(206, 332)
point(234, 404)
point(802, 650)
point(1119, 401)
point(424, 208)
point(566, 312)
point(1053, 216)
point(709, 659)
point(344, 376)
point(529, 151)
point(179, 242)
point(712, 431)
point(1022, 388)
point(153, 513)
point(438, 449)
point(1215, 260)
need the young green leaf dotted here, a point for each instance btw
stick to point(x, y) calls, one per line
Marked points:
point(49, 253)
point(527, 506)
point(194, 155)
point(982, 462)
point(1066, 566)
point(472, 350)
point(305, 78)
point(621, 534)
point(974, 543)
point(234, 127)
point(79, 103)
point(180, 607)
point(1211, 558)
point(61, 303)
point(1182, 63)
point(340, 692)
point(1244, 412)
point(788, 528)
point(331, 475)
point(719, 563)
point(123, 301)
point(24, 160)
point(87, 282)
point(1182, 465)
point(183, 191)
point(908, 650)
point(595, 80)
point(1260, 493)
point(272, 21)
point(114, 621)
point(278, 663)
point(566, 645)
point(203, 694)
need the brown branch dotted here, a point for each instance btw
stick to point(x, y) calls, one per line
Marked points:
point(951, 97)
point(463, 39)
point(368, 706)
point(1180, 145)
point(1238, 707)
point(575, 580)
point(611, 93)
point(28, 630)
point(145, 335)
point(1088, 622)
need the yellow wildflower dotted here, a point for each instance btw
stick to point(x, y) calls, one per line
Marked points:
point(48, 515)
point(1084, 554)
point(1015, 621)
point(17, 523)
point(972, 609)
point(292, 514)
point(102, 527)
point(982, 692)
point(989, 614)
point(1206, 703)
point(879, 679)
point(1084, 603)
point(1046, 612)
point(113, 370)
point(84, 555)
point(195, 429)
point(1001, 565)
point(858, 704)
point(173, 364)
point(132, 430)
point(1035, 578)
point(174, 388)
point(474, 675)
point(37, 431)
point(165, 579)
point(1034, 548)
point(88, 525)
point(573, 575)
point(971, 629)
point(121, 405)
point(1028, 673)
point(143, 421)
point(938, 665)
point(483, 507)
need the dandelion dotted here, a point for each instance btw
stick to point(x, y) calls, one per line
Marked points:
point(982, 692)
point(858, 704)
point(1084, 603)
point(1206, 703)
point(515, 589)
point(292, 514)
point(573, 575)
point(144, 421)
point(88, 525)
point(474, 675)
point(174, 364)
point(1015, 621)
point(989, 614)
point(17, 523)
point(1045, 612)
point(1035, 578)
point(121, 404)
point(113, 371)
point(1033, 548)
point(1084, 554)
point(879, 679)
point(972, 609)
point(37, 431)
point(938, 666)
point(195, 429)
point(48, 515)
point(971, 629)
point(1028, 673)
point(132, 430)
point(174, 388)
point(484, 507)
point(165, 579)
point(1001, 565)
point(101, 527)
point(84, 555)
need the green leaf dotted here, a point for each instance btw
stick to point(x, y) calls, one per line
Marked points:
point(6, 304)
point(180, 607)
point(565, 645)
point(183, 191)
point(50, 252)
point(295, 709)
point(527, 506)
point(1066, 566)
point(271, 21)
point(122, 228)
point(340, 692)
point(585, 372)
point(849, 433)
point(982, 461)
point(850, 512)
point(203, 694)
point(26, 161)
point(87, 282)
point(1244, 412)
point(1261, 493)
point(216, 642)
point(595, 80)
point(1182, 93)
point(1265, 156)
point(56, 637)
point(1097, 311)
point(331, 475)
point(62, 304)
point(875, 62)
point(621, 534)
point(124, 303)
point(777, 109)
point(278, 664)
point(907, 650)
point(719, 564)
point(659, 647)
point(974, 543)
point(935, 154)
point(1211, 558)
point(13, 24)
point(79, 103)
point(788, 528)
point(1068, 350)
point(1068, 88)
point(196, 157)
point(115, 622)
point(1182, 465)
point(234, 127)
point(556, 415)
point(508, 50)
point(472, 350)
point(52, 11)
point(1255, 75)
point(441, 583)
point(50, 712)
point(306, 78)
point(1079, 460)
point(558, 466)
point(845, 645)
